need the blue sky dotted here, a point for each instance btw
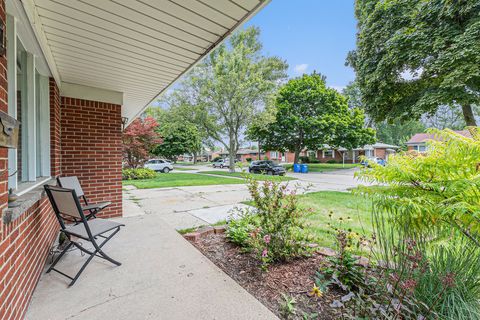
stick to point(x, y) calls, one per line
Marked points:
point(310, 35)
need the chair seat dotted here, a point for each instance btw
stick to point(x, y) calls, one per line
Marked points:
point(96, 206)
point(97, 227)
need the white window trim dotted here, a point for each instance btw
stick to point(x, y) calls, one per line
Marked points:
point(324, 156)
point(36, 166)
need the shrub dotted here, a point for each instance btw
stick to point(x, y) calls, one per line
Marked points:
point(139, 173)
point(281, 233)
point(314, 160)
point(216, 159)
point(304, 159)
point(426, 222)
point(331, 161)
point(240, 228)
point(249, 159)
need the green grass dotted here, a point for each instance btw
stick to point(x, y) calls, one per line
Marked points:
point(165, 180)
point(343, 205)
point(259, 177)
point(325, 167)
point(184, 168)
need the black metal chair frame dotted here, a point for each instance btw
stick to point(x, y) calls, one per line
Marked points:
point(93, 208)
point(98, 252)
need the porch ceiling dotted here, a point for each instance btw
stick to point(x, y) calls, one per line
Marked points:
point(138, 47)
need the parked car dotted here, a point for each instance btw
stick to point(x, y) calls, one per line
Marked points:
point(379, 161)
point(159, 165)
point(266, 167)
point(222, 163)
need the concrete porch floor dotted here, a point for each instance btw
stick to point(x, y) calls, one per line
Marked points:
point(162, 276)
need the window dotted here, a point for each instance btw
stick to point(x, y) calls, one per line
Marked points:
point(369, 153)
point(312, 154)
point(328, 153)
point(420, 147)
point(29, 102)
point(273, 154)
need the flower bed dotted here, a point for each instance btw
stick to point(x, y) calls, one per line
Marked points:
point(283, 281)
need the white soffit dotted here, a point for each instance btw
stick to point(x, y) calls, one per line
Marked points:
point(137, 47)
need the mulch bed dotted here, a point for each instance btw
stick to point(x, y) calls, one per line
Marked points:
point(295, 278)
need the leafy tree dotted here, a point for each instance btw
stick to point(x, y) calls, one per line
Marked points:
point(414, 56)
point(138, 139)
point(308, 114)
point(231, 84)
point(397, 133)
point(178, 138)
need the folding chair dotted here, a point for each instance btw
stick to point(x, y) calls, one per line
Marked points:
point(73, 183)
point(66, 203)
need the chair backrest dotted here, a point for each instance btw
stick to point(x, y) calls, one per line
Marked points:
point(71, 183)
point(64, 202)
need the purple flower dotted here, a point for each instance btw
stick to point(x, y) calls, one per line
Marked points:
point(266, 238)
point(264, 253)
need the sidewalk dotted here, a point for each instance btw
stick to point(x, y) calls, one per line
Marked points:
point(162, 276)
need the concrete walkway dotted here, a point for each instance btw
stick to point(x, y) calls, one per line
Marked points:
point(162, 276)
point(187, 207)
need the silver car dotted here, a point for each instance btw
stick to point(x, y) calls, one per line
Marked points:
point(159, 165)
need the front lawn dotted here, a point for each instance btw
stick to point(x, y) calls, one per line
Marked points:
point(259, 177)
point(324, 167)
point(348, 210)
point(165, 180)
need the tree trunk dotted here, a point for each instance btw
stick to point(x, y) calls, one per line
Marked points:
point(468, 115)
point(232, 153)
point(297, 156)
point(194, 158)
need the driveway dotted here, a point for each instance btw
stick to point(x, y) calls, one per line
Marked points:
point(186, 207)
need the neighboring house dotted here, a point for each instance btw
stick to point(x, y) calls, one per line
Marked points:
point(377, 150)
point(244, 154)
point(418, 142)
point(74, 73)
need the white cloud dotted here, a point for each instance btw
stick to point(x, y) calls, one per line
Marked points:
point(300, 68)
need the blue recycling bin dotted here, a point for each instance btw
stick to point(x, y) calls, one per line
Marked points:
point(304, 168)
point(296, 167)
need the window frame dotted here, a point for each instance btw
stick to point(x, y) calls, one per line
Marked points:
point(35, 108)
point(328, 150)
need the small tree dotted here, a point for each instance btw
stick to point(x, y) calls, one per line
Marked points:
point(307, 114)
point(178, 139)
point(138, 139)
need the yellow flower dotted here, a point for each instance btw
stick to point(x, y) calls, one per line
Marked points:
point(316, 292)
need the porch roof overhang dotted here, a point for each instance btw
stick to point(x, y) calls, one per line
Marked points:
point(137, 48)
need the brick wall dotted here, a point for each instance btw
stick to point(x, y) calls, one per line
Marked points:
point(24, 242)
point(91, 149)
point(55, 144)
point(23, 250)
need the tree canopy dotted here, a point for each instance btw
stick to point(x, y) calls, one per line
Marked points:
point(231, 84)
point(178, 138)
point(138, 139)
point(414, 56)
point(308, 114)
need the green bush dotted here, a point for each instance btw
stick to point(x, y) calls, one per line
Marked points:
point(139, 173)
point(249, 159)
point(314, 160)
point(281, 233)
point(304, 159)
point(216, 159)
point(331, 161)
point(432, 200)
point(239, 229)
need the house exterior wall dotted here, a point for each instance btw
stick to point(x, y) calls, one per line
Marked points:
point(381, 153)
point(91, 149)
point(25, 241)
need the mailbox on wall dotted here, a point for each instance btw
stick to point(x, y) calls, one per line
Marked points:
point(9, 128)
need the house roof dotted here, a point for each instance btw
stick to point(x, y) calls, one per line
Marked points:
point(424, 137)
point(132, 49)
point(242, 151)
